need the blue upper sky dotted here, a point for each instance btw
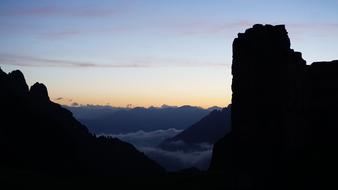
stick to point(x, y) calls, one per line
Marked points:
point(149, 52)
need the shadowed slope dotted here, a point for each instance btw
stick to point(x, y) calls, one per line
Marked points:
point(39, 136)
point(202, 134)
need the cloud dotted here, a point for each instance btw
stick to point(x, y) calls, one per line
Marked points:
point(145, 62)
point(74, 31)
point(147, 139)
point(148, 142)
point(30, 61)
point(309, 26)
point(177, 160)
point(75, 104)
point(206, 28)
point(62, 99)
point(183, 146)
point(61, 34)
point(197, 28)
point(52, 11)
point(20, 60)
point(303, 31)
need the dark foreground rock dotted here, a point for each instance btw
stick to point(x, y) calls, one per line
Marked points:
point(284, 116)
point(39, 137)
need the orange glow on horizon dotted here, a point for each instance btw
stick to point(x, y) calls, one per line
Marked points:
point(146, 102)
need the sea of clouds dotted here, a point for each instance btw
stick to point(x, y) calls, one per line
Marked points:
point(148, 141)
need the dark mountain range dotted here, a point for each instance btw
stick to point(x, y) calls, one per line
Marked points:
point(284, 116)
point(283, 128)
point(89, 111)
point(145, 119)
point(84, 112)
point(38, 136)
point(208, 130)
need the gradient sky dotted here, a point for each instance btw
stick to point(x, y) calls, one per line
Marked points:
point(152, 52)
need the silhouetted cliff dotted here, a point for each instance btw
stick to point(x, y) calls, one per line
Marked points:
point(39, 136)
point(284, 115)
point(209, 129)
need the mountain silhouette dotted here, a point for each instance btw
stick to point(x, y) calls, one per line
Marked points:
point(283, 127)
point(284, 116)
point(208, 130)
point(145, 119)
point(38, 136)
point(90, 112)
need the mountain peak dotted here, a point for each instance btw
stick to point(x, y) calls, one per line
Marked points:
point(49, 140)
point(2, 73)
point(17, 79)
point(39, 92)
point(255, 42)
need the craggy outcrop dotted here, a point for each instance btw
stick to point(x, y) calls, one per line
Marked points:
point(39, 92)
point(39, 137)
point(284, 115)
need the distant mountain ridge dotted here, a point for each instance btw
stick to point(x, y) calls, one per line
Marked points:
point(206, 131)
point(39, 136)
point(209, 129)
point(119, 121)
point(92, 111)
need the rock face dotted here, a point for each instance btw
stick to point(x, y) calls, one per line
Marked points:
point(40, 137)
point(283, 114)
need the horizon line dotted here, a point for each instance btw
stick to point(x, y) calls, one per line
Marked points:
point(74, 104)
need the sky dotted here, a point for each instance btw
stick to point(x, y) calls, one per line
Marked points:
point(149, 52)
